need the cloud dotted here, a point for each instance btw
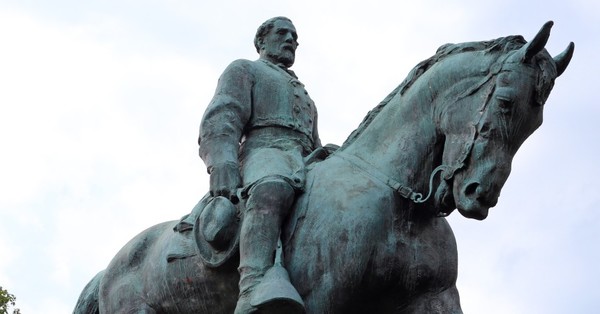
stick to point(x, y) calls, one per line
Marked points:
point(101, 146)
point(99, 110)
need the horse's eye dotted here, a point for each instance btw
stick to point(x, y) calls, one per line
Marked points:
point(485, 130)
point(505, 104)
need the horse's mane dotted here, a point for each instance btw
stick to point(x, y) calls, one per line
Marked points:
point(498, 46)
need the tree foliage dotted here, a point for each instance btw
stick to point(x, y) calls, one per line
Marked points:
point(6, 300)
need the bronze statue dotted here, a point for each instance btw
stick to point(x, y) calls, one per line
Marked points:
point(262, 105)
point(368, 233)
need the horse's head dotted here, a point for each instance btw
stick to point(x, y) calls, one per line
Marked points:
point(488, 119)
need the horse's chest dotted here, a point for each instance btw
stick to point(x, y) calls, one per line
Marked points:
point(420, 265)
point(424, 263)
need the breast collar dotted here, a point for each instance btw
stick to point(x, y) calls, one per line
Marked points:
point(375, 173)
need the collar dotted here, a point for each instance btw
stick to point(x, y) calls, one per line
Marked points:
point(279, 67)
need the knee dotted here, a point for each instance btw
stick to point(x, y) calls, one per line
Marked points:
point(272, 196)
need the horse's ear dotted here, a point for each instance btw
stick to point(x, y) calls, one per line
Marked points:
point(563, 59)
point(530, 49)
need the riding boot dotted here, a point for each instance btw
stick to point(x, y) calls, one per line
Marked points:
point(258, 242)
point(249, 278)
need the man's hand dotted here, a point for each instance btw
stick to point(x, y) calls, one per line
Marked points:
point(225, 179)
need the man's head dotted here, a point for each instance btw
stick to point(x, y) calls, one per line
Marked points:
point(276, 41)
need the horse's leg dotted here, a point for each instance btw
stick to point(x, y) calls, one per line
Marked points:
point(445, 302)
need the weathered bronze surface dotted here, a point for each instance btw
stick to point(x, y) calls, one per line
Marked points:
point(366, 232)
point(263, 105)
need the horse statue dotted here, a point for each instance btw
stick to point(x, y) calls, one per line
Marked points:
point(361, 238)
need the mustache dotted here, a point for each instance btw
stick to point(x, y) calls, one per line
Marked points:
point(288, 46)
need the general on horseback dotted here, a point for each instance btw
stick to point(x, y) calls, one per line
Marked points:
point(362, 227)
point(254, 138)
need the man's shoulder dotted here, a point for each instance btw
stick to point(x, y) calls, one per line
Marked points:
point(240, 68)
point(257, 68)
point(242, 64)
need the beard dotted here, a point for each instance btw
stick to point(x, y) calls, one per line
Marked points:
point(285, 57)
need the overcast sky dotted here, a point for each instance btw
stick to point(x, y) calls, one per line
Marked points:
point(100, 103)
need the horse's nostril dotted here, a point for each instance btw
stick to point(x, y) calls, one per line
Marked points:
point(471, 189)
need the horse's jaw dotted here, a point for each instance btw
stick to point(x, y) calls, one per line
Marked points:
point(444, 199)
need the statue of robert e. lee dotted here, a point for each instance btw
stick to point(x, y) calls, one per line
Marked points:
point(387, 249)
point(255, 134)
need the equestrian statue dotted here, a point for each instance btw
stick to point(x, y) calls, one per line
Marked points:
point(291, 226)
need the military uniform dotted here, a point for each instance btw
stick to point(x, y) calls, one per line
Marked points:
point(262, 119)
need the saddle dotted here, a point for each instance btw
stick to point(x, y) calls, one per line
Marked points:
point(212, 229)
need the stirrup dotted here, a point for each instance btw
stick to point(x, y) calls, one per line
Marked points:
point(275, 293)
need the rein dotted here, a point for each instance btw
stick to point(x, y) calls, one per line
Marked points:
point(494, 70)
point(447, 170)
point(403, 190)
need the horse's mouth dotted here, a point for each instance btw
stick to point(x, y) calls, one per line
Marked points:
point(479, 214)
point(477, 205)
point(474, 208)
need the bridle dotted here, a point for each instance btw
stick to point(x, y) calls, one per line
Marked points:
point(447, 170)
point(521, 58)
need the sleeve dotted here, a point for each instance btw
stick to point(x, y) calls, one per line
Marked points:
point(316, 139)
point(226, 116)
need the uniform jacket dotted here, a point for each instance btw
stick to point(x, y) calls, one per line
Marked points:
point(252, 95)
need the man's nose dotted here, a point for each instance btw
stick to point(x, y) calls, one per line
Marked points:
point(289, 38)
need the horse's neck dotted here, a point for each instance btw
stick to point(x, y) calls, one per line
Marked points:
point(400, 140)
